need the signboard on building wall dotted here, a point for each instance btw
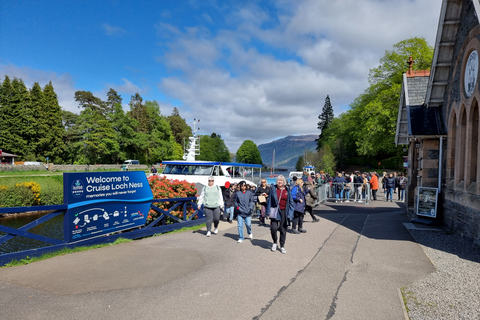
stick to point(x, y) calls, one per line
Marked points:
point(99, 203)
point(427, 199)
point(405, 162)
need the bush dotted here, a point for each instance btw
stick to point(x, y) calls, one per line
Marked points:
point(163, 188)
point(17, 196)
point(52, 194)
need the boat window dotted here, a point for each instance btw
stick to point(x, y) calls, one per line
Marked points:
point(202, 170)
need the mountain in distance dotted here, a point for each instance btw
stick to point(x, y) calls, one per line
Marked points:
point(287, 150)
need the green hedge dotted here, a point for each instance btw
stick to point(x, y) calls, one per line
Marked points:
point(51, 192)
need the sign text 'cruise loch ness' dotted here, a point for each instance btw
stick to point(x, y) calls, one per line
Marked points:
point(104, 202)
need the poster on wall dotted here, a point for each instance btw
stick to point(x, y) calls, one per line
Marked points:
point(100, 203)
point(427, 202)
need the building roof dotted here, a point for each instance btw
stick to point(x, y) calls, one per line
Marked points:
point(443, 53)
point(414, 88)
point(6, 154)
point(423, 121)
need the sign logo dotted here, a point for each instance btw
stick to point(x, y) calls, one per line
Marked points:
point(77, 188)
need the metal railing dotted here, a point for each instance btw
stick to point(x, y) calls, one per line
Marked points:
point(345, 192)
point(165, 222)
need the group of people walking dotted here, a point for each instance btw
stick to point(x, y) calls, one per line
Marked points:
point(283, 205)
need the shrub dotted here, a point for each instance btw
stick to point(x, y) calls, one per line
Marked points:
point(52, 194)
point(17, 196)
point(163, 188)
point(35, 187)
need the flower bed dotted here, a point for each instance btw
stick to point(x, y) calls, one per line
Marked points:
point(163, 188)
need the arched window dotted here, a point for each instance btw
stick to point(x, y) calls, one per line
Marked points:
point(472, 151)
point(460, 146)
point(451, 143)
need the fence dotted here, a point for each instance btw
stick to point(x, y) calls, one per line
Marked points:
point(159, 225)
point(345, 192)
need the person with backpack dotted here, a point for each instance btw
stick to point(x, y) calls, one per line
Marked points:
point(212, 200)
point(310, 198)
point(298, 195)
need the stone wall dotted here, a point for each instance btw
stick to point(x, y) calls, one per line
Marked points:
point(461, 214)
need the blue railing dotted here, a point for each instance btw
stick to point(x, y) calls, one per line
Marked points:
point(159, 225)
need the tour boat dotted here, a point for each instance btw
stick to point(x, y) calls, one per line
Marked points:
point(198, 172)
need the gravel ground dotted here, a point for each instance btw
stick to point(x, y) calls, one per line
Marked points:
point(453, 290)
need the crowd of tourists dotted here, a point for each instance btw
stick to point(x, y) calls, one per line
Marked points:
point(285, 204)
point(357, 186)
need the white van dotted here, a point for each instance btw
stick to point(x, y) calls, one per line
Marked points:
point(129, 162)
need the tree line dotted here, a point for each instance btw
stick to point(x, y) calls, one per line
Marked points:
point(34, 127)
point(365, 134)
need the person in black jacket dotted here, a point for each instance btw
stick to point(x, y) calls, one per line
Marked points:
point(228, 199)
point(390, 186)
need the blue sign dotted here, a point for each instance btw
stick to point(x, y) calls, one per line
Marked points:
point(99, 203)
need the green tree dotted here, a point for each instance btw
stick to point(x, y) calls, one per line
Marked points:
point(299, 165)
point(249, 153)
point(213, 148)
point(20, 124)
point(138, 112)
point(326, 117)
point(51, 144)
point(327, 162)
point(367, 130)
point(38, 128)
point(74, 147)
point(180, 129)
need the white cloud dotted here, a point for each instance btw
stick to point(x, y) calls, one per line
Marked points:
point(63, 84)
point(112, 30)
point(312, 48)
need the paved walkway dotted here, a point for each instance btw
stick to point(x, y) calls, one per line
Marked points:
point(350, 265)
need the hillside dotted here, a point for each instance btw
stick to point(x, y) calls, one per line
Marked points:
point(287, 150)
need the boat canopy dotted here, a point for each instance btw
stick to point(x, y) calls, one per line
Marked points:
point(214, 163)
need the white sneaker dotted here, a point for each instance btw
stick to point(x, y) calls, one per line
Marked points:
point(215, 231)
point(336, 201)
point(208, 234)
point(274, 247)
point(240, 241)
point(347, 200)
point(282, 250)
point(250, 235)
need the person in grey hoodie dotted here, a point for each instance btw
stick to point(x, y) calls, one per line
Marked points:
point(212, 200)
point(244, 205)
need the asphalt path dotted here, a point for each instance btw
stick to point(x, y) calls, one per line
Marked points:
point(350, 265)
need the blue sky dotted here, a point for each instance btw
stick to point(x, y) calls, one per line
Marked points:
point(255, 70)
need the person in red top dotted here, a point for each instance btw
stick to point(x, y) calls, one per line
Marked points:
point(281, 201)
point(374, 185)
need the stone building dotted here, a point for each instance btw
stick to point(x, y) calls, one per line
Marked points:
point(446, 152)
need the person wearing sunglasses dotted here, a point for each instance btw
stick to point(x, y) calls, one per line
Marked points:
point(212, 200)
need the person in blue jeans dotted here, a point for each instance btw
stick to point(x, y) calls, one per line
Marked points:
point(228, 199)
point(244, 204)
point(390, 186)
point(339, 183)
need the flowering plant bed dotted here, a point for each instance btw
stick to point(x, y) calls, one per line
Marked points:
point(163, 188)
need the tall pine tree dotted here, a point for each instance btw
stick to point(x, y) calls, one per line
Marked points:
point(326, 117)
point(52, 143)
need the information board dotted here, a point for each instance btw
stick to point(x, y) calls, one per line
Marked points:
point(99, 203)
point(427, 202)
